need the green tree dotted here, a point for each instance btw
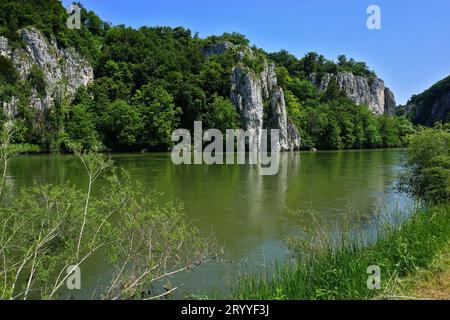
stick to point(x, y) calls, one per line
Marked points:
point(222, 115)
point(214, 78)
point(389, 131)
point(373, 136)
point(120, 125)
point(36, 79)
point(47, 228)
point(80, 127)
point(429, 164)
point(159, 115)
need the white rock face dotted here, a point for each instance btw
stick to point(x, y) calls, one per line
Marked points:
point(250, 93)
point(246, 94)
point(217, 48)
point(64, 69)
point(360, 90)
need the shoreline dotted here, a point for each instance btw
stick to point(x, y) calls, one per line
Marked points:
point(339, 273)
point(168, 152)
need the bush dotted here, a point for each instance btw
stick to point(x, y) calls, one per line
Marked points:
point(428, 175)
point(8, 72)
point(36, 79)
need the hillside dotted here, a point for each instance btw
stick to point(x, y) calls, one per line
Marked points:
point(430, 106)
point(128, 89)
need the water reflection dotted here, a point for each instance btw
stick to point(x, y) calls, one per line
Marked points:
point(241, 207)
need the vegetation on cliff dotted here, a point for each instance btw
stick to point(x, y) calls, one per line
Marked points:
point(149, 81)
point(431, 106)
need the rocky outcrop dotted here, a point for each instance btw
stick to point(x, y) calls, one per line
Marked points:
point(294, 139)
point(390, 103)
point(217, 48)
point(261, 104)
point(64, 69)
point(362, 91)
point(431, 106)
point(257, 97)
point(428, 115)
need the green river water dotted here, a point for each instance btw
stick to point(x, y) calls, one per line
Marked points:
point(242, 209)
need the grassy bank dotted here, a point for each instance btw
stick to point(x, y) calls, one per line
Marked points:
point(340, 271)
point(326, 268)
point(431, 283)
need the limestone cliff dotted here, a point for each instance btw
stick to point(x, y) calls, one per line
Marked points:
point(64, 69)
point(260, 102)
point(362, 91)
point(213, 49)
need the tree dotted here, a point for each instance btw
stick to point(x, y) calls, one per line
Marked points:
point(373, 136)
point(192, 101)
point(8, 73)
point(214, 78)
point(222, 115)
point(50, 229)
point(283, 78)
point(36, 79)
point(80, 127)
point(159, 115)
point(120, 125)
point(428, 175)
point(333, 92)
point(389, 132)
point(304, 90)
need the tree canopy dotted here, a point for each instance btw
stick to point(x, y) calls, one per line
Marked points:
point(152, 80)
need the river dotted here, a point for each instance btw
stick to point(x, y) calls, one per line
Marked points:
point(242, 209)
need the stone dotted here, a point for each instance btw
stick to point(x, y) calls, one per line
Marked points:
point(216, 48)
point(251, 92)
point(64, 69)
point(362, 91)
point(390, 103)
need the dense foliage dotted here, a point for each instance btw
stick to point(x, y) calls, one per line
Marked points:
point(149, 81)
point(426, 100)
point(429, 164)
point(50, 17)
point(315, 63)
point(47, 228)
point(331, 121)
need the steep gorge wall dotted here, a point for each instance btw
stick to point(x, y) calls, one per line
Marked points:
point(370, 92)
point(64, 69)
point(439, 110)
point(251, 92)
point(258, 98)
point(432, 105)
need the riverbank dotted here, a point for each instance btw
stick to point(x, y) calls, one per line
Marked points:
point(432, 283)
point(340, 271)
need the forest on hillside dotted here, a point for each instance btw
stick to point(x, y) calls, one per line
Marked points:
point(152, 80)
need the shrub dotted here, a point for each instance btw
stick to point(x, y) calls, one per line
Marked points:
point(428, 166)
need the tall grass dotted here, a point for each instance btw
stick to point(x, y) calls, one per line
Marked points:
point(337, 269)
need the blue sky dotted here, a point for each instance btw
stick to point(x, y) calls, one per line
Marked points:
point(411, 51)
